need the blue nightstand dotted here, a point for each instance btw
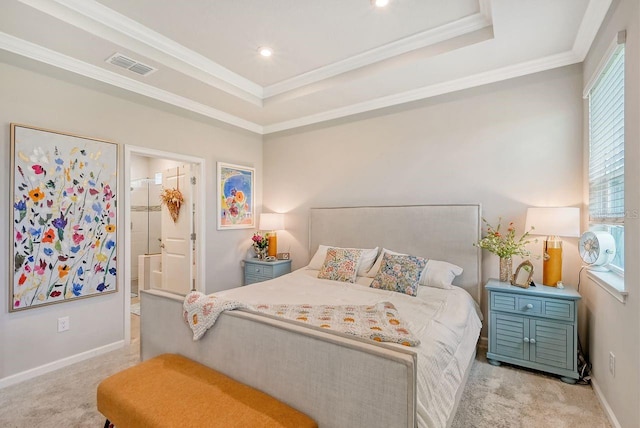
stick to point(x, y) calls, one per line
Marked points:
point(257, 271)
point(535, 327)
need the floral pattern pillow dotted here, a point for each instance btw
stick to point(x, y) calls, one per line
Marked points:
point(399, 273)
point(340, 264)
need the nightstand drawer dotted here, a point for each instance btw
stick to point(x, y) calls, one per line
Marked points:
point(513, 303)
point(559, 309)
point(259, 270)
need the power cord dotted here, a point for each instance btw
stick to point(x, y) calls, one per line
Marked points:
point(579, 277)
point(584, 366)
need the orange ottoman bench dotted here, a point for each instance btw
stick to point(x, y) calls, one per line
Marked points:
point(173, 391)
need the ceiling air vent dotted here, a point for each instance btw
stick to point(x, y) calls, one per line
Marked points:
point(130, 64)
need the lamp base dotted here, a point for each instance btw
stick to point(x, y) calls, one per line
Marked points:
point(273, 244)
point(552, 263)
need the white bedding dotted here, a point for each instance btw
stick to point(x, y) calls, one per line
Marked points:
point(447, 322)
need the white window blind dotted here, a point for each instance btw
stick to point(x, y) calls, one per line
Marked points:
point(606, 143)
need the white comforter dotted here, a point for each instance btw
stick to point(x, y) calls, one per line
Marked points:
point(447, 322)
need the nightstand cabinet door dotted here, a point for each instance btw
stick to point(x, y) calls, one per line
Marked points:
point(553, 344)
point(508, 335)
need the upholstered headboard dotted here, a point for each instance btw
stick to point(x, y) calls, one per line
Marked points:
point(439, 232)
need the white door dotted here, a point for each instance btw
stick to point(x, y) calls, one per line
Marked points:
point(177, 254)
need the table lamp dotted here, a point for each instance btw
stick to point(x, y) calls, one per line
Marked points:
point(271, 222)
point(553, 222)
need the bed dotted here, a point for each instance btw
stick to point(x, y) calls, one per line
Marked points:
point(337, 379)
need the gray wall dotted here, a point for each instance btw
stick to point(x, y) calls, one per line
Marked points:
point(29, 339)
point(613, 326)
point(508, 145)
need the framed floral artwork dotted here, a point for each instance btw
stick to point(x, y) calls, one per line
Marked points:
point(63, 217)
point(236, 197)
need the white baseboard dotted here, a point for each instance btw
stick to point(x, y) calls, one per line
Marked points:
point(55, 365)
point(605, 405)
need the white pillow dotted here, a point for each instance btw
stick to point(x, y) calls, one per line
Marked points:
point(367, 258)
point(318, 258)
point(376, 266)
point(439, 274)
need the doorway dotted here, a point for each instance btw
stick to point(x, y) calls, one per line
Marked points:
point(163, 253)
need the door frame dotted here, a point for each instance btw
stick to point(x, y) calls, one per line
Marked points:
point(199, 196)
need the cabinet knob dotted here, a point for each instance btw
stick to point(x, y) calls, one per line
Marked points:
point(526, 339)
point(257, 269)
point(532, 341)
point(529, 306)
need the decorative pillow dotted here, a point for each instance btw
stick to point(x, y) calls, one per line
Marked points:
point(366, 261)
point(439, 274)
point(399, 273)
point(340, 264)
point(376, 266)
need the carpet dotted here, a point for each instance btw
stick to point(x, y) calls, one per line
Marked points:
point(495, 397)
point(513, 397)
point(135, 308)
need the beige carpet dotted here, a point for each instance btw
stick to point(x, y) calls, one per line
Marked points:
point(495, 397)
point(510, 397)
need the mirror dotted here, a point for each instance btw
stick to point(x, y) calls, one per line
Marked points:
point(523, 275)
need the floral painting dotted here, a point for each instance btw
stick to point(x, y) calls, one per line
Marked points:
point(64, 217)
point(236, 199)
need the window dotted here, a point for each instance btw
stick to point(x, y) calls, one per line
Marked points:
point(606, 151)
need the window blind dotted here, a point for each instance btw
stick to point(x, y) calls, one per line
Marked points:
point(606, 143)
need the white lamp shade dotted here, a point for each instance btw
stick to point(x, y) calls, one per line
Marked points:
point(563, 221)
point(271, 221)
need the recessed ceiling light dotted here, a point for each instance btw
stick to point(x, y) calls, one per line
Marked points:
point(265, 51)
point(380, 3)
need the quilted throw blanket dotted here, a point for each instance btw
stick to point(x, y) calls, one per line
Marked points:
point(201, 311)
point(379, 322)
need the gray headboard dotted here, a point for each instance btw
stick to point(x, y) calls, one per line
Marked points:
point(439, 232)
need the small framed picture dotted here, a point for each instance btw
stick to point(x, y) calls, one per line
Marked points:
point(235, 198)
point(282, 256)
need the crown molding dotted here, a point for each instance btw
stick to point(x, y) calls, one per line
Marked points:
point(48, 56)
point(106, 23)
point(445, 32)
point(64, 10)
point(504, 73)
point(56, 59)
point(591, 22)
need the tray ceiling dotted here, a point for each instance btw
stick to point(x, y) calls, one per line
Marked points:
point(332, 58)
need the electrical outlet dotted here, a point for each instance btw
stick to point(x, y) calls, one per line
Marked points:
point(612, 364)
point(63, 324)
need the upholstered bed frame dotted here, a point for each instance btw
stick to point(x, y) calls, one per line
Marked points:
point(333, 378)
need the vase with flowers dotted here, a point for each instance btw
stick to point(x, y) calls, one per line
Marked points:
point(260, 245)
point(505, 245)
